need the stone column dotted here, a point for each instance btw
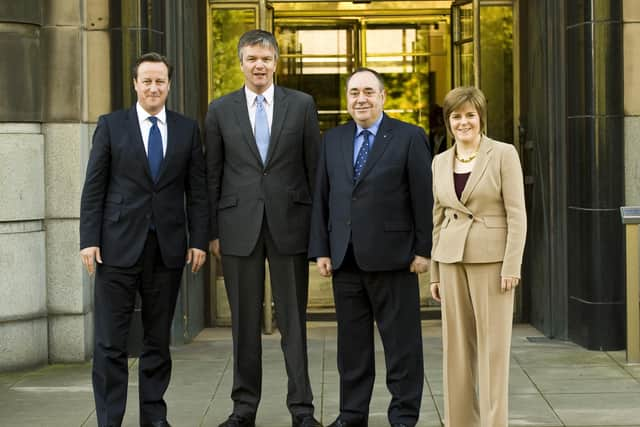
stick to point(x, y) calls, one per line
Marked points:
point(595, 180)
point(77, 81)
point(23, 315)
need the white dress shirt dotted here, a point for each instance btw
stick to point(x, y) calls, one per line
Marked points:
point(145, 126)
point(251, 106)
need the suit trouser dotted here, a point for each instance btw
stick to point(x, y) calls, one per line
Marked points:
point(115, 296)
point(477, 321)
point(244, 278)
point(392, 300)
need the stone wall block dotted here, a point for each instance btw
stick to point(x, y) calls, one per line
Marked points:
point(20, 68)
point(98, 74)
point(62, 12)
point(21, 176)
point(22, 271)
point(65, 167)
point(632, 160)
point(62, 73)
point(631, 55)
point(70, 338)
point(69, 290)
point(631, 10)
point(97, 16)
point(23, 11)
point(23, 344)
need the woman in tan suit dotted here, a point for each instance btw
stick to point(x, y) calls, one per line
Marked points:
point(479, 229)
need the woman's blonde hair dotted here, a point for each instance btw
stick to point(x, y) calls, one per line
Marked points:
point(460, 96)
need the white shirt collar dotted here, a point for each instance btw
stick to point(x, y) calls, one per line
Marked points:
point(251, 95)
point(143, 115)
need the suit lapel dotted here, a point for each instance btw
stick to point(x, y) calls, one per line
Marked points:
point(346, 144)
point(136, 138)
point(482, 160)
point(449, 186)
point(171, 143)
point(241, 113)
point(380, 144)
point(280, 106)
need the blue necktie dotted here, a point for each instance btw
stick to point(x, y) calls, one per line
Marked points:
point(361, 160)
point(262, 128)
point(154, 148)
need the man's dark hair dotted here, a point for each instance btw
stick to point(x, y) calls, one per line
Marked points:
point(258, 37)
point(152, 57)
point(370, 70)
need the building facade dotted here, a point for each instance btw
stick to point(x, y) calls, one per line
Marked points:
point(559, 77)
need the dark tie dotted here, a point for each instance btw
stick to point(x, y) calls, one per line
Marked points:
point(154, 148)
point(361, 160)
point(262, 128)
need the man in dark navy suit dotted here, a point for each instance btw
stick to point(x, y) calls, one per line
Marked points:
point(371, 229)
point(145, 188)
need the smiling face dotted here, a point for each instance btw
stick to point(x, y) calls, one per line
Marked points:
point(258, 65)
point(365, 98)
point(152, 86)
point(465, 124)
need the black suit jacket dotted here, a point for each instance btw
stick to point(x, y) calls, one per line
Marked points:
point(120, 199)
point(243, 191)
point(386, 214)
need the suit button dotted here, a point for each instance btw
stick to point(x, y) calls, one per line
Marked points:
point(265, 173)
point(354, 198)
point(148, 216)
point(348, 222)
point(470, 216)
point(455, 216)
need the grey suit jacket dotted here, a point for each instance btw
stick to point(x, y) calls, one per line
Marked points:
point(243, 191)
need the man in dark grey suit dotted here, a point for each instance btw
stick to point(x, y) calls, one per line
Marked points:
point(146, 165)
point(371, 230)
point(261, 151)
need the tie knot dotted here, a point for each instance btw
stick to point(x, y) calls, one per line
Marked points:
point(259, 99)
point(365, 134)
point(153, 120)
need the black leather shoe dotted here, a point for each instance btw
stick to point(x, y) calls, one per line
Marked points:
point(238, 421)
point(162, 423)
point(305, 421)
point(339, 422)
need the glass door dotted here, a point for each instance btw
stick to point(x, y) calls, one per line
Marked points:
point(465, 36)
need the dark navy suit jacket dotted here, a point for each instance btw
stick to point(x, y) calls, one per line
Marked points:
point(386, 213)
point(120, 199)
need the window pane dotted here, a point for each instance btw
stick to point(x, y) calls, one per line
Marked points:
point(496, 57)
point(227, 25)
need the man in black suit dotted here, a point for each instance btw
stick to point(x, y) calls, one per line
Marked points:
point(371, 229)
point(261, 150)
point(145, 187)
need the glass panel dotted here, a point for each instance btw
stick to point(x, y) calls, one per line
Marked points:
point(465, 73)
point(466, 22)
point(227, 25)
point(317, 60)
point(496, 47)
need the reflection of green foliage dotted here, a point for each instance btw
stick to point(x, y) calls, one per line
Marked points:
point(496, 60)
point(227, 27)
point(408, 92)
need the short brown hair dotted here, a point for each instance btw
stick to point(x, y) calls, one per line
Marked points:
point(152, 57)
point(462, 95)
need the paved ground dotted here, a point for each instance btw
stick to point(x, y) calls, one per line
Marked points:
point(552, 384)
